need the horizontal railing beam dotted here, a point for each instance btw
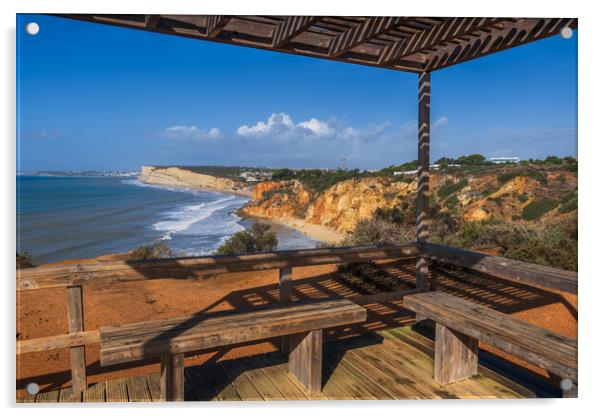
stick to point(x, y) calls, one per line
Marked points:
point(529, 274)
point(45, 277)
point(56, 342)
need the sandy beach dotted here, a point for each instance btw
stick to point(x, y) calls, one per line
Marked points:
point(317, 232)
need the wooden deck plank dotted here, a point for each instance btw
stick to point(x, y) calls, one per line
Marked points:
point(26, 398)
point(265, 386)
point(51, 396)
point(390, 378)
point(116, 390)
point(391, 364)
point(351, 387)
point(154, 386)
point(199, 382)
point(95, 393)
point(138, 390)
point(240, 381)
point(423, 363)
point(280, 364)
point(220, 382)
point(282, 381)
point(369, 384)
point(67, 395)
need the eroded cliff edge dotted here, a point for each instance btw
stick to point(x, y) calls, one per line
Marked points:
point(182, 178)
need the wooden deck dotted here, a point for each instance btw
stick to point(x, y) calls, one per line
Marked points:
point(387, 365)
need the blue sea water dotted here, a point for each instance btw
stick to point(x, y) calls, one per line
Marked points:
point(62, 218)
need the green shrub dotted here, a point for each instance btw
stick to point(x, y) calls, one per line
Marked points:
point(24, 261)
point(258, 239)
point(450, 187)
point(572, 167)
point(452, 202)
point(474, 159)
point(538, 208)
point(376, 231)
point(158, 250)
point(568, 206)
point(523, 198)
point(395, 215)
point(530, 173)
point(550, 244)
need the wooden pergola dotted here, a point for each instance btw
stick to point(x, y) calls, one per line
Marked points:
point(409, 44)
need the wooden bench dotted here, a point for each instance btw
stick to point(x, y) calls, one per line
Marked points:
point(461, 324)
point(171, 338)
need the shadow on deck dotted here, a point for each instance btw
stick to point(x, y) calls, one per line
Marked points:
point(386, 365)
point(383, 358)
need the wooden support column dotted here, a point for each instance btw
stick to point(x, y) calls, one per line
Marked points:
point(305, 359)
point(456, 355)
point(172, 377)
point(75, 308)
point(422, 199)
point(286, 296)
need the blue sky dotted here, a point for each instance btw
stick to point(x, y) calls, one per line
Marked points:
point(100, 97)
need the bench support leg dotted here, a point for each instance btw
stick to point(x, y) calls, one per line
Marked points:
point(456, 355)
point(286, 296)
point(305, 359)
point(172, 377)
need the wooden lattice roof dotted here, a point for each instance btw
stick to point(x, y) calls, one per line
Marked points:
point(412, 44)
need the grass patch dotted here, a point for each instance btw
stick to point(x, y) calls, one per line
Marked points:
point(523, 198)
point(538, 208)
point(450, 187)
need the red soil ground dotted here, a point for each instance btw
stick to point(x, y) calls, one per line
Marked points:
point(44, 312)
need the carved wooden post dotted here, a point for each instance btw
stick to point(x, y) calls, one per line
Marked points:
point(286, 296)
point(172, 377)
point(422, 199)
point(76, 324)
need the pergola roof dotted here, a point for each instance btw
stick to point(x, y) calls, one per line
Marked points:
point(411, 44)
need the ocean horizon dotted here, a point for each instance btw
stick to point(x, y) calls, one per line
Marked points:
point(76, 217)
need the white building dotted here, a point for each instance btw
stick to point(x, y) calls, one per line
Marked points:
point(500, 160)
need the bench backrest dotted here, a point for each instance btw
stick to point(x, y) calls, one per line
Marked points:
point(549, 350)
point(130, 342)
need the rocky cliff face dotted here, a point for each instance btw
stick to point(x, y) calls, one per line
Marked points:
point(472, 197)
point(340, 207)
point(177, 177)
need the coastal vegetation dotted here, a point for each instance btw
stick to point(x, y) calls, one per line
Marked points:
point(24, 260)
point(258, 239)
point(525, 211)
point(158, 250)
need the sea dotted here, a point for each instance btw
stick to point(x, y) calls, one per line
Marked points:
point(68, 217)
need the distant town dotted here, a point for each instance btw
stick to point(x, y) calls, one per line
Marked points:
point(95, 173)
point(255, 174)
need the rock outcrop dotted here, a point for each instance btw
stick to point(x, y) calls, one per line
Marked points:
point(340, 207)
point(183, 178)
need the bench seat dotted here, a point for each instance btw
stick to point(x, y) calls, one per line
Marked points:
point(170, 338)
point(460, 323)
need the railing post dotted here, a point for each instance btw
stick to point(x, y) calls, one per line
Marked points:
point(285, 283)
point(422, 199)
point(75, 306)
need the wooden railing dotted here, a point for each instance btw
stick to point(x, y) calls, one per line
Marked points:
point(75, 277)
point(528, 274)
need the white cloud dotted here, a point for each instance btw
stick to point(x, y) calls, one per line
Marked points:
point(194, 132)
point(439, 124)
point(281, 125)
